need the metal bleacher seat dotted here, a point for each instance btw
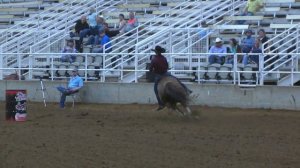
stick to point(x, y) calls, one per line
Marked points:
point(225, 75)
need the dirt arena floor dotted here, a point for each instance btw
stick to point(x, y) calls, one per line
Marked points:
point(137, 136)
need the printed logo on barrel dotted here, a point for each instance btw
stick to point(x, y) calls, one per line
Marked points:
point(16, 105)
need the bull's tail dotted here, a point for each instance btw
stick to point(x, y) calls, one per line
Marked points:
point(176, 93)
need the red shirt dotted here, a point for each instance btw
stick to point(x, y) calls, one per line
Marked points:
point(159, 64)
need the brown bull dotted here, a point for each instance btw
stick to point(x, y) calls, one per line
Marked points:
point(172, 92)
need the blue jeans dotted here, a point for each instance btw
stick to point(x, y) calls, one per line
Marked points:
point(214, 59)
point(254, 58)
point(157, 79)
point(64, 93)
point(68, 58)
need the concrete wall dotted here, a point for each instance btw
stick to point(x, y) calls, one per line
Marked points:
point(269, 97)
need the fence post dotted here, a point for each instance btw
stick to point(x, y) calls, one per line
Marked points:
point(261, 69)
point(1, 63)
point(234, 67)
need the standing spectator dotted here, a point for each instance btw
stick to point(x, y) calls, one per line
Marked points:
point(104, 40)
point(122, 23)
point(74, 86)
point(216, 52)
point(251, 8)
point(69, 48)
point(256, 50)
point(248, 42)
point(263, 38)
point(131, 23)
point(203, 30)
point(233, 49)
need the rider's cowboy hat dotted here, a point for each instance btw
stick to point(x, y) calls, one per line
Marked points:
point(159, 49)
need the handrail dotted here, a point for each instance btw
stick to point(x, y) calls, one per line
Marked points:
point(275, 37)
point(50, 25)
point(34, 19)
point(63, 33)
point(136, 31)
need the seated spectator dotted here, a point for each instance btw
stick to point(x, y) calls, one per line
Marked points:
point(233, 49)
point(248, 42)
point(203, 31)
point(92, 21)
point(74, 86)
point(79, 26)
point(263, 38)
point(122, 24)
point(103, 40)
point(94, 38)
point(109, 32)
point(131, 23)
point(69, 48)
point(251, 8)
point(253, 58)
point(218, 49)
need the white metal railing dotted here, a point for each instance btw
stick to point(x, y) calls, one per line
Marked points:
point(49, 63)
point(166, 39)
point(62, 24)
point(284, 46)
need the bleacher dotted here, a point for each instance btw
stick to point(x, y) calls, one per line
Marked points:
point(14, 11)
point(158, 24)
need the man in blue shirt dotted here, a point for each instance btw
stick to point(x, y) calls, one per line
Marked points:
point(248, 42)
point(104, 40)
point(74, 85)
point(216, 52)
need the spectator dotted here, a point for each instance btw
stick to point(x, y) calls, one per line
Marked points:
point(248, 42)
point(92, 21)
point(233, 49)
point(131, 23)
point(122, 23)
point(216, 52)
point(74, 86)
point(79, 26)
point(256, 50)
point(203, 31)
point(69, 48)
point(251, 8)
point(109, 32)
point(104, 40)
point(94, 38)
point(263, 38)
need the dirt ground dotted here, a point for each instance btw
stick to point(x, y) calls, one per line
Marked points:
point(137, 136)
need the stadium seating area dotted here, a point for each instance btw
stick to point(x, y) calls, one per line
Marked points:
point(172, 24)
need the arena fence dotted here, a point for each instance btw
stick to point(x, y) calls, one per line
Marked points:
point(186, 66)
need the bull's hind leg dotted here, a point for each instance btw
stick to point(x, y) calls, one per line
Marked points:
point(178, 110)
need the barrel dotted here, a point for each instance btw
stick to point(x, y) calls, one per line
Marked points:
point(16, 105)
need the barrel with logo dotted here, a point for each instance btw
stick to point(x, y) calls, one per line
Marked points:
point(16, 105)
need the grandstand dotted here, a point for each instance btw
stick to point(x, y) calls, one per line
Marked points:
point(33, 32)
